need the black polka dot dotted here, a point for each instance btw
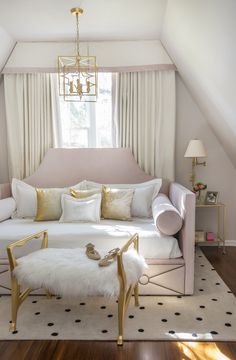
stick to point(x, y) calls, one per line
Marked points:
point(171, 332)
point(142, 307)
point(140, 330)
point(202, 306)
point(229, 312)
point(34, 302)
point(103, 307)
point(117, 301)
point(214, 299)
point(58, 297)
point(10, 322)
point(199, 256)
point(104, 331)
point(213, 269)
point(229, 292)
point(201, 289)
point(199, 318)
point(67, 310)
point(194, 335)
point(37, 313)
point(217, 283)
point(179, 297)
point(131, 316)
point(14, 332)
point(177, 314)
point(82, 303)
point(50, 324)
point(202, 265)
point(214, 332)
point(77, 320)
point(110, 315)
point(164, 320)
point(228, 324)
point(54, 334)
point(203, 279)
point(160, 303)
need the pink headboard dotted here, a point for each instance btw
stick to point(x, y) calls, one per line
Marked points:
point(66, 167)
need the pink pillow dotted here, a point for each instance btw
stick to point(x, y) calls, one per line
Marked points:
point(166, 216)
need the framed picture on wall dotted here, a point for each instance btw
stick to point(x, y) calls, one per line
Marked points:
point(211, 197)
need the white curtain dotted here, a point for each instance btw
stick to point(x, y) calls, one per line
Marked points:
point(145, 115)
point(31, 113)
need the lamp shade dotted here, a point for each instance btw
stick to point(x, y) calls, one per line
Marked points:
point(195, 149)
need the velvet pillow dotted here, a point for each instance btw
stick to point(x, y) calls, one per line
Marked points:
point(166, 217)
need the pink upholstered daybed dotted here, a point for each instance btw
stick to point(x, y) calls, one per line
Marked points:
point(170, 258)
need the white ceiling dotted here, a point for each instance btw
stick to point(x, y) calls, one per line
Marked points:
point(29, 20)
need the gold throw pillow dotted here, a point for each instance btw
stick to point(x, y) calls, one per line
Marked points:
point(116, 203)
point(82, 194)
point(49, 203)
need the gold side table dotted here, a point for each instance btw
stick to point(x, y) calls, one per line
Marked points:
point(221, 223)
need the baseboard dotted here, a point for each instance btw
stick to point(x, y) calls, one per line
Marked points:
point(227, 243)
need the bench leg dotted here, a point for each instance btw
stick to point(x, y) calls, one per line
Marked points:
point(121, 314)
point(136, 300)
point(49, 295)
point(15, 303)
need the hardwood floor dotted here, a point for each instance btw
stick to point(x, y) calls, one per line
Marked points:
point(142, 350)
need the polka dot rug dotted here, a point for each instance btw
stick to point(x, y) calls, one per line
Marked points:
point(210, 314)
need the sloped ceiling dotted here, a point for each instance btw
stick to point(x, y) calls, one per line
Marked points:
point(200, 37)
point(7, 44)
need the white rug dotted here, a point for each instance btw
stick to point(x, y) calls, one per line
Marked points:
point(208, 315)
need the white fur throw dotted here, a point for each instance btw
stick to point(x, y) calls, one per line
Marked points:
point(69, 273)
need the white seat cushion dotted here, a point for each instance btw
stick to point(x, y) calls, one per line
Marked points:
point(106, 235)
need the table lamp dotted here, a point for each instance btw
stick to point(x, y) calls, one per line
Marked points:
point(195, 150)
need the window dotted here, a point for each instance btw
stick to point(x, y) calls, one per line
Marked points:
point(89, 124)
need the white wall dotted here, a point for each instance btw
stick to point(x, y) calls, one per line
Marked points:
point(200, 38)
point(219, 174)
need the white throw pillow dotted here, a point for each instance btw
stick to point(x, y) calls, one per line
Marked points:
point(7, 207)
point(81, 210)
point(26, 198)
point(144, 194)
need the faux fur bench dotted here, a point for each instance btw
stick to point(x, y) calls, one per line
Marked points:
point(70, 273)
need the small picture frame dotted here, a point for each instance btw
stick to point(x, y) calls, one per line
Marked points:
point(211, 197)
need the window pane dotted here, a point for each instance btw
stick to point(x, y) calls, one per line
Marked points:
point(88, 124)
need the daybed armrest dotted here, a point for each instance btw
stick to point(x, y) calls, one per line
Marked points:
point(5, 190)
point(7, 206)
point(184, 200)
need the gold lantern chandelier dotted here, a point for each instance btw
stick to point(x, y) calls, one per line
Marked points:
point(77, 74)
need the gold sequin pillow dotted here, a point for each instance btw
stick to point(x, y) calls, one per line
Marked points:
point(116, 203)
point(82, 194)
point(49, 203)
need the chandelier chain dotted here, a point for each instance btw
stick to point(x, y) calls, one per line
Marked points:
point(77, 28)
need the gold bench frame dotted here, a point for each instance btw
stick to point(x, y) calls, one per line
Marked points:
point(125, 292)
